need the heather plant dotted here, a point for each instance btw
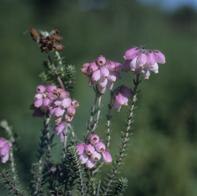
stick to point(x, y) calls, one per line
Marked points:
point(79, 171)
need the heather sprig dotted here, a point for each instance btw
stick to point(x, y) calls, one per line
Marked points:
point(79, 169)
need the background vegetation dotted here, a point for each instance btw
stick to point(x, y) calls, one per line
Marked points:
point(162, 157)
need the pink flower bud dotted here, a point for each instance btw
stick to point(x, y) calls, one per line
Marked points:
point(101, 60)
point(66, 102)
point(100, 147)
point(38, 103)
point(131, 53)
point(104, 72)
point(40, 88)
point(83, 158)
point(95, 156)
point(60, 128)
point(159, 56)
point(141, 60)
point(90, 164)
point(96, 76)
point(94, 139)
point(107, 156)
point(80, 148)
point(89, 149)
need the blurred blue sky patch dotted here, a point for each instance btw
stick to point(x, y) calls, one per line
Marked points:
point(171, 4)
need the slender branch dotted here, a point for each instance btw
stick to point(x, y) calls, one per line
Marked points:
point(125, 138)
point(94, 113)
point(109, 130)
point(44, 153)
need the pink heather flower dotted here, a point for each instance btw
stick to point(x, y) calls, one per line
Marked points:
point(93, 151)
point(61, 130)
point(5, 147)
point(80, 148)
point(107, 156)
point(49, 99)
point(90, 164)
point(89, 149)
point(93, 139)
point(102, 73)
point(95, 156)
point(100, 147)
point(140, 60)
point(121, 97)
point(83, 158)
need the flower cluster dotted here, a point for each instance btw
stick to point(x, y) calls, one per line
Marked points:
point(93, 151)
point(143, 61)
point(47, 41)
point(102, 73)
point(121, 97)
point(5, 147)
point(56, 102)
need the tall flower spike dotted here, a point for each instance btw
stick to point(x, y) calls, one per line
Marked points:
point(56, 102)
point(102, 73)
point(140, 60)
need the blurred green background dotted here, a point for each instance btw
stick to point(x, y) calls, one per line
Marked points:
point(162, 157)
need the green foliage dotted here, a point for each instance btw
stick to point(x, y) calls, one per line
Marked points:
point(6, 179)
point(54, 68)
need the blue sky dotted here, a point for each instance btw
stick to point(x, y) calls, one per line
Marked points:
point(171, 4)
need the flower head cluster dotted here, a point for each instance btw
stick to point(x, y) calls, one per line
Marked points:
point(93, 151)
point(49, 99)
point(102, 73)
point(144, 61)
point(47, 41)
point(5, 147)
point(121, 97)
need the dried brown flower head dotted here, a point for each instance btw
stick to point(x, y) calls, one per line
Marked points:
point(47, 41)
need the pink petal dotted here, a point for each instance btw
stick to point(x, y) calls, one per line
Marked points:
point(89, 149)
point(90, 164)
point(59, 112)
point(100, 147)
point(96, 75)
point(40, 88)
point(83, 158)
point(104, 72)
point(94, 139)
point(101, 60)
point(95, 156)
point(80, 148)
point(151, 58)
point(5, 158)
point(131, 53)
point(159, 57)
point(141, 60)
point(107, 157)
point(46, 102)
point(38, 103)
point(66, 102)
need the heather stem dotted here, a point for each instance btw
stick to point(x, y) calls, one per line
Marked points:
point(94, 114)
point(44, 151)
point(125, 137)
point(109, 130)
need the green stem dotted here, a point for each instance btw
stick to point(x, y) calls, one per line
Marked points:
point(109, 130)
point(44, 154)
point(125, 138)
point(94, 114)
